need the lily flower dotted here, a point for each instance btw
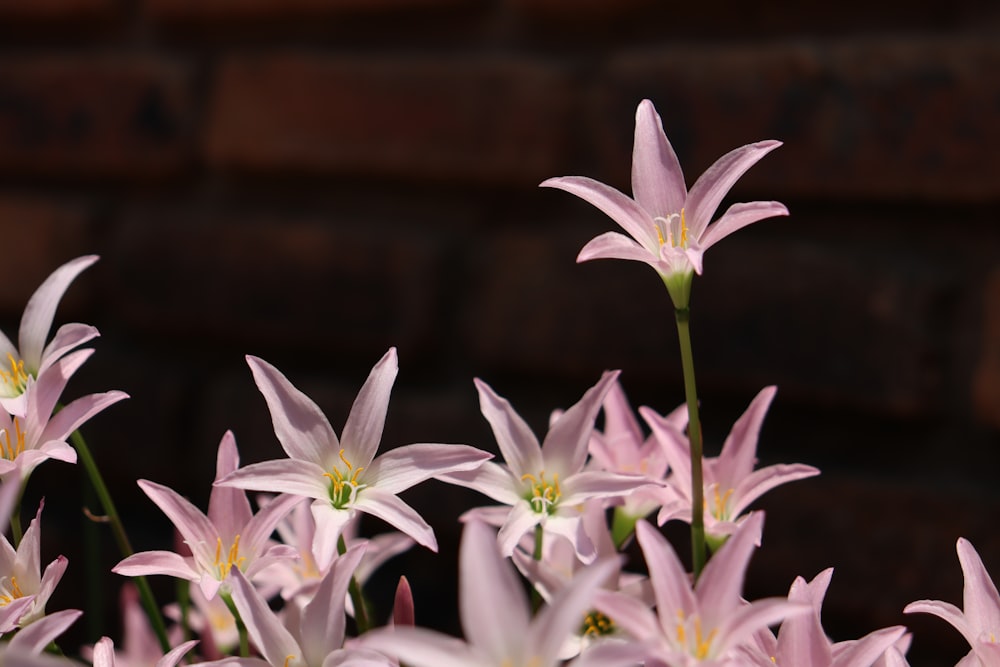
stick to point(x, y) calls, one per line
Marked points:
point(801, 639)
point(979, 620)
point(36, 435)
point(731, 483)
point(704, 624)
point(343, 476)
point(668, 225)
point(32, 357)
point(230, 538)
point(496, 615)
point(104, 655)
point(21, 578)
point(544, 485)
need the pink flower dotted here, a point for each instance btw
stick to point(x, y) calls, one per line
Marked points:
point(979, 620)
point(344, 476)
point(230, 538)
point(543, 485)
point(731, 483)
point(33, 357)
point(22, 579)
point(667, 225)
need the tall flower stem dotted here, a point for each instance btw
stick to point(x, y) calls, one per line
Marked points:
point(683, 317)
point(118, 530)
point(241, 627)
point(357, 596)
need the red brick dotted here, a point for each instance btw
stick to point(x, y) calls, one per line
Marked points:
point(986, 382)
point(441, 119)
point(94, 117)
point(271, 9)
point(307, 286)
point(41, 235)
point(869, 118)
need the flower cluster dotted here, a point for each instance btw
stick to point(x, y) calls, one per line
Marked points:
point(543, 576)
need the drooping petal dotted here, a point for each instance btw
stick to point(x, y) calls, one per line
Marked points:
point(228, 508)
point(270, 637)
point(739, 216)
point(629, 215)
point(299, 424)
point(67, 337)
point(43, 394)
point(600, 484)
point(657, 179)
point(41, 309)
point(400, 468)
point(363, 430)
point(499, 626)
point(321, 628)
point(517, 443)
point(613, 245)
point(67, 420)
point(294, 476)
point(710, 188)
point(396, 513)
point(761, 481)
point(565, 447)
point(948, 612)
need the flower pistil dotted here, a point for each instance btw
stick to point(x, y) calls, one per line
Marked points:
point(233, 557)
point(702, 644)
point(10, 450)
point(672, 229)
point(544, 495)
point(345, 487)
point(9, 591)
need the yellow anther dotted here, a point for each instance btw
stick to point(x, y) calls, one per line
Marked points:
point(720, 502)
point(233, 557)
point(289, 658)
point(684, 231)
point(544, 495)
point(11, 591)
point(16, 377)
point(11, 449)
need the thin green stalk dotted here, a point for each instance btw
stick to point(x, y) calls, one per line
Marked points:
point(241, 627)
point(683, 316)
point(622, 527)
point(361, 619)
point(536, 597)
point(118, 530)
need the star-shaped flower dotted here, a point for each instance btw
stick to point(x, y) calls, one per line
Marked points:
point(668, 225)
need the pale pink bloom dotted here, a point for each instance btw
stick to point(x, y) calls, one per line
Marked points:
point(21, 577)
point(230, 538)
point(312, 637)
point(731, 483)
point(979, 619)
point(211, 619)
point(667, 225)
point(344, 476)
point(32, 357)
point(36, 434)
point(27, 647)
point(496, 615)
point(544, 485)
point(622, 447)
point(104, 655)
point(700, 625)
point(802, 641)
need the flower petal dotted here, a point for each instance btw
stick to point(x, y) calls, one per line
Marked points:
point(761, 481)
point(395, 512)
point(270, 637)
point(295, 476)
point(629, 215)
point(949, 613)
point(38, 635)
point(613, 245)
point(194, 527)
point(867, 650)
point(671, 586)
point(156, 562)
point(299, 424)
point(228, 507)
point(41, 309)
point(363, 430)
point(67, 337)
point(490, 479)
point(419, 647)
point(321, 628)
point(981, 603)
point(565, 447)
point(400, 468)
point(739, 216)
point(710, 188)
point(739, 451)
point(657, 179)
point(518, 444)
point(721, 582)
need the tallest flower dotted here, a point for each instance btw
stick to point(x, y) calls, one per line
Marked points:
point(669, 224)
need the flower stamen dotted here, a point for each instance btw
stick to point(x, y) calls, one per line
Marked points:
point(344, 488)
point(16, 378)
point(11, 450)
point(232, 558)
point(9, 591)
point(543, 495)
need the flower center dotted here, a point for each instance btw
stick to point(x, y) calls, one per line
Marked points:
point(596, 624)
point(9, 591)
point(720, 503)
point(672, 229)
point(690, 636)
point(11, 449)
point(233, 557)
point(542, 495)
point(344, 486)
point(15, 380)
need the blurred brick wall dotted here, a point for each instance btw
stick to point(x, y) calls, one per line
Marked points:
point(312, 181)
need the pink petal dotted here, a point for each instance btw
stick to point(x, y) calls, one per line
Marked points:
point(612, 245)
point(294, 476)
point(738, 626)
point(517, 443)
point(949, 613)
point(330, 523)
point(44, 393)
point(519, 521)
point(70, 418)
point(418, 647)
point(492, 604)
point(300, 426)
point(565, 447)
point(629, 215)
point(721, 582)
point(395, 512)
point(867, 650)
point(739, 216)
point(633, 616)
point(490, 479)
point(398, 469)
point(739, 451)
point(670, 582)
point(198, 532)
point(67, 337)
point(104, 653)
point(710, 188)
point(761, 481)
point(321, 628)
point(174, 655)
point(981, 602)
point(657, 180)
point(41, 309)
point(50, 579)
point(363, 430)
point(156, 562)
point(600, 484)
point(34, 638)
point(270, 637)
point(228, 508)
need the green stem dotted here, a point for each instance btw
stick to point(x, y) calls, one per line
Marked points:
point(241, 627)
point(361, 619)
point(683, 316)
point(622, 527)
point(118, 530)
point(536, 597)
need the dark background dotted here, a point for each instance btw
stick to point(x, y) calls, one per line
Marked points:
point(313, 181)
